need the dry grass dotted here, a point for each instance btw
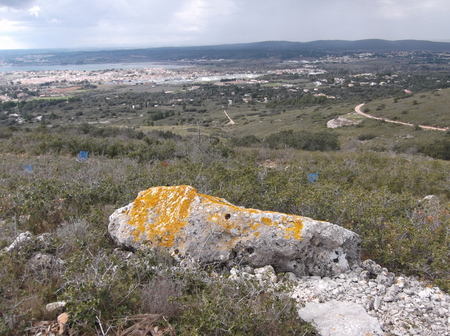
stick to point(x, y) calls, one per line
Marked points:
point(148, 325)
point(431, 108)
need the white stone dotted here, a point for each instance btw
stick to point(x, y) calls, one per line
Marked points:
point(334, 318)
point(55, 306)
point(377, 303)
point(266, 273)
point(426, 293)
point(20, 240)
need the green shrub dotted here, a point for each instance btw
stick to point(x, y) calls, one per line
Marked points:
point(218, 306)
point(106, 288)
point(367, 136)
point(324, 141)
point(439, 149)
point(245, 141)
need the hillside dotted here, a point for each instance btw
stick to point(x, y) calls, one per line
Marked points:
point(388, 183)
point(261, 108)
point(428, 108)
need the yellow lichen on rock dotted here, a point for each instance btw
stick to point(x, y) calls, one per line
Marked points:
point(168, 209)
point(295, 229)
point(267, 221)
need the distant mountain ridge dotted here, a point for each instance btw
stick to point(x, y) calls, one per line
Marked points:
point(369, 45)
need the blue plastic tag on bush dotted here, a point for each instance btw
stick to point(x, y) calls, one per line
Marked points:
point(29, 168)
point(82, 156)
point(313, 177)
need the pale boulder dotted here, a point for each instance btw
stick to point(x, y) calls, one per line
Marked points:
point(210, 230)
point(341, 121)
point(334, 318)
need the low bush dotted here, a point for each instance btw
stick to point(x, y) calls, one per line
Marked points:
point(245, 141)
point(439, 149)
point(377, 195)
point(325, 141)
point(107, 287)
point(218, 306)
point(367, 136)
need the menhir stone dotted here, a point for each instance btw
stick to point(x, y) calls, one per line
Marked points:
point(210, 230)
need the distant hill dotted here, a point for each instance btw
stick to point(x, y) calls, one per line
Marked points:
point(370, 45)
point(376, 45)
point(242, 51)
point(286, 49)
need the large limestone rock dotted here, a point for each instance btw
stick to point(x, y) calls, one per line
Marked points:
point(211, 230)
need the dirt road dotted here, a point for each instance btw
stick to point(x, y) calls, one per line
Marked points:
point(358, 110)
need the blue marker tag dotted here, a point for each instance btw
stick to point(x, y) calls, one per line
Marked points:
point(82, 156)
point(313, 177)
point(29, 168)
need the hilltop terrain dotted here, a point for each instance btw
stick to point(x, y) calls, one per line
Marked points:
point(159, 127)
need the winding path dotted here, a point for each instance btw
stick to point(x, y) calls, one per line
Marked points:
point(358, 110)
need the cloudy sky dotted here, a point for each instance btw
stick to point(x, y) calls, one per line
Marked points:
point(28, 24)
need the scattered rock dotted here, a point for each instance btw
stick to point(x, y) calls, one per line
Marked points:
point(42, 261)
point(55, 306)
point(430, 199)
point(404, 307)
point(26, 238)
point(21, 240)
point(334, 318)
point(211, 230)
point(341, 121)
point(266, 274)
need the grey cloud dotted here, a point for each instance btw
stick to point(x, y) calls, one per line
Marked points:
point(15, 3)
point(73, 23)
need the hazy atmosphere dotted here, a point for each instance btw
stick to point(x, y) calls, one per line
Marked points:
point(151, 23)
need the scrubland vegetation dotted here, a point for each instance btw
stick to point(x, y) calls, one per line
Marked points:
point(372, 178)
point(378, 195)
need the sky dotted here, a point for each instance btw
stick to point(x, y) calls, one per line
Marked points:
point(36, 24)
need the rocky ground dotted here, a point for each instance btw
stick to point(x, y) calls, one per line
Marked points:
point(365, 300)
point(401, 305)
